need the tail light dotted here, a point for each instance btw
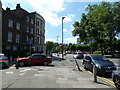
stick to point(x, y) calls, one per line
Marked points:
point(3, 59)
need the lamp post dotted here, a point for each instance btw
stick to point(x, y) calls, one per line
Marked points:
point(57, 39)
point(62, 36)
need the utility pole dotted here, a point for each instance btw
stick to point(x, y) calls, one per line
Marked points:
point(62, 37)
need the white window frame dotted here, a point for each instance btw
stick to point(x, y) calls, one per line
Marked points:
point(18, 26)
point(31, 31)
point(27, 29)
point(10, 23)
point(9, 36)
point(8, 47)
point(27, 19)
point(17, 38)
point(32, 21)
point(14, 48)
point(27, 38)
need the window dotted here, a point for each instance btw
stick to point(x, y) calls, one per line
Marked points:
point(25, 47)
point(10, 23)
point(17, 26)
point(36, 56)
point(27, 29)
point(14, 48)
point(88, 58)
point(27, 38)
point(31, 31)
point(37, 23)
point(32, 21)
point(27, 19)
point(8, 47)
point(9, 36)
point(37, 30)
point(17, 38)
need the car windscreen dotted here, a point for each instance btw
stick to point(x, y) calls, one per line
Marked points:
point(2, 57)
point(99, 57)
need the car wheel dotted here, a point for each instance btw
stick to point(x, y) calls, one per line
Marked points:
point(84, 67)
point(3, 65)
point(21, 64)
point(45, 63)
point(116, 81)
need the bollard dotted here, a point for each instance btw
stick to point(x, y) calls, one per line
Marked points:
point(17, 66)
point(95, 73)
point(77, 65)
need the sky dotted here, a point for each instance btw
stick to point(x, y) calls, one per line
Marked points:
point(53, 11)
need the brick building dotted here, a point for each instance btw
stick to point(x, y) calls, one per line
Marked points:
point(0, 27)
point(19, 31)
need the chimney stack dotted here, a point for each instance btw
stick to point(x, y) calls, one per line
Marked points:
point(18, 6)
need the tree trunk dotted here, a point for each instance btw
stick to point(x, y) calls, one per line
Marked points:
point(101, 47)
point(111, 46)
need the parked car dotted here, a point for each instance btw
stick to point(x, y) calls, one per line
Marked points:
point(34, 59)
point(102, 64)
point(116, 78)
point(78, 55)
point(3, 61)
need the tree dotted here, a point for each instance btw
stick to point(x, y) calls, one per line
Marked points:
point(49, 47)
point(102, 21)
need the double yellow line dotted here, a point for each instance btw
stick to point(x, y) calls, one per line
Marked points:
point(102, 78)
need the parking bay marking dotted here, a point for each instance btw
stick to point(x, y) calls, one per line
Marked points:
point(102, 78)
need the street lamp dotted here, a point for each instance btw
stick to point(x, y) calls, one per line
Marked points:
point(62, 36)
point(57, 39)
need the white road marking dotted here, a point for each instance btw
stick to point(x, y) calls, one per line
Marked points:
point(22, 70)
point(21, 74)
point(9, 72)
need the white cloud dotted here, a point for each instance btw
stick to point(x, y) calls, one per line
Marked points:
point(49, 9)
point(53, 40)
point(3, 6)
point(65, 30)
point(90, 0)
point(11, 1)
point(71, 40)
point(71, 27)
point(68, 18)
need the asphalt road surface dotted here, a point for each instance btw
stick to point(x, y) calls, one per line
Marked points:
point(59, 74)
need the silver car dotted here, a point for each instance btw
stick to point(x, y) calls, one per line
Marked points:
point(116, 78)
point(3, 60)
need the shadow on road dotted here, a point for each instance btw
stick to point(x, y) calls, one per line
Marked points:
point(8, 66)
point(56, 58)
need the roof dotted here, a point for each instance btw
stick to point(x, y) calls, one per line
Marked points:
point(1, 54)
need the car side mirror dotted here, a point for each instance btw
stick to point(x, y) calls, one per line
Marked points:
point(89, 61)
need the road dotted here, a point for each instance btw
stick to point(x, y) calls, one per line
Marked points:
point(59, 74)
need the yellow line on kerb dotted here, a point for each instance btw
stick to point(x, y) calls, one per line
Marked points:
point(12, 67)
point(101, 78)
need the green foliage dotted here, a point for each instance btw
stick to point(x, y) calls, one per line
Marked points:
point(97, 52)
point(102, 21)
point(49, 45)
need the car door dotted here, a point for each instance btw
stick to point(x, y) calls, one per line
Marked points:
point(87, 61)
point(40, 59)
point(34, 59)
point(90, 63)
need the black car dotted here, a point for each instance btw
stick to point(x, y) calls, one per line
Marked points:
point(102, 64)
point(116, 78)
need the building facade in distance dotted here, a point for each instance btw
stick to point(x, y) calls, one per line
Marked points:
point(19, 32)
